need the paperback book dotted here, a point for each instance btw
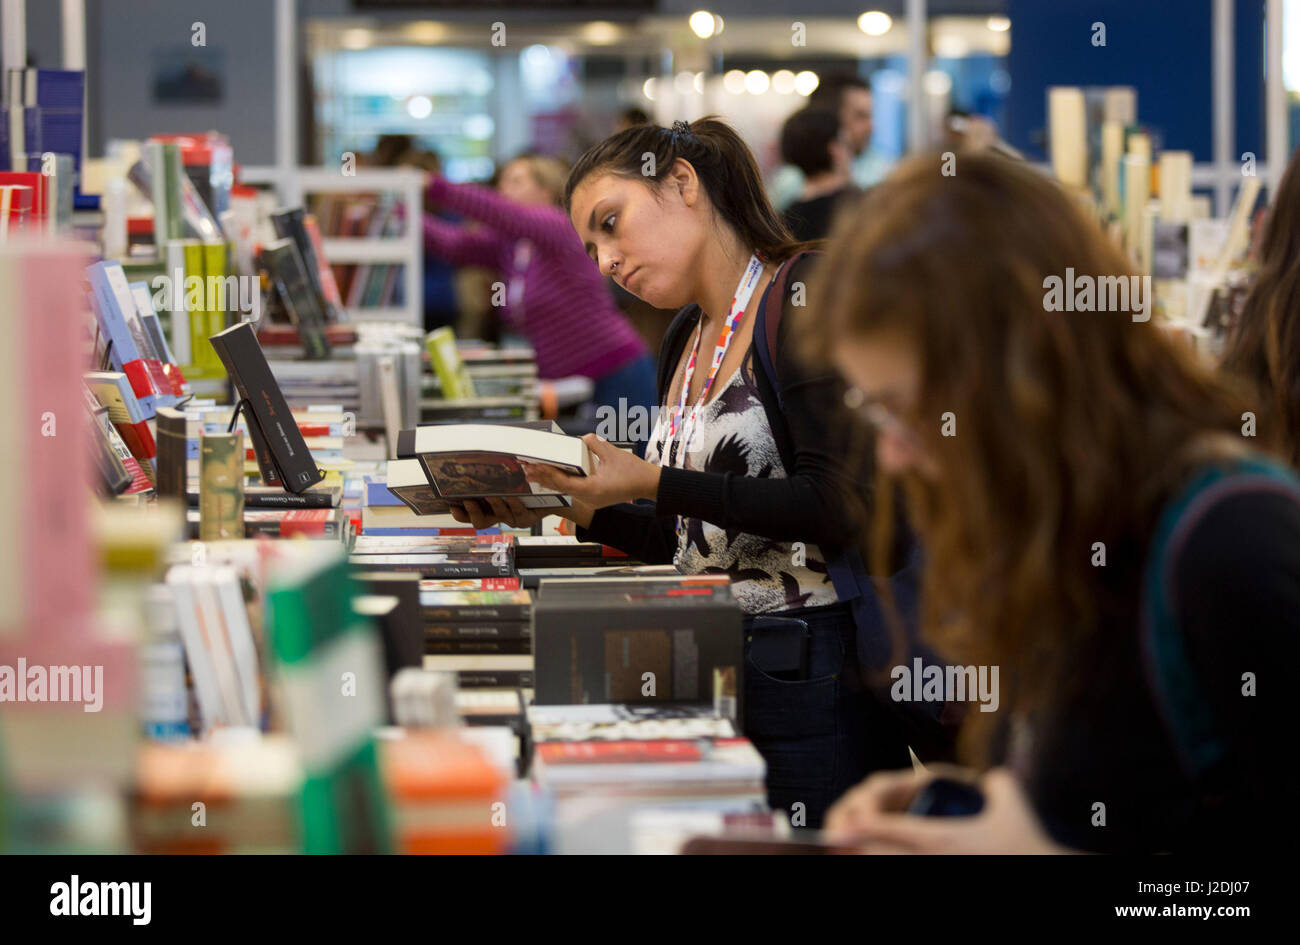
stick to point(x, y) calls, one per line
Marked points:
point(477, 460)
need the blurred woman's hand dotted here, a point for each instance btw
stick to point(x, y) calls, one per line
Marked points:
point(619, 476)
point(485, 513)
point(872, 817)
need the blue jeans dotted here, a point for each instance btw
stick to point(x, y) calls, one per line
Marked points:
point(822, 735)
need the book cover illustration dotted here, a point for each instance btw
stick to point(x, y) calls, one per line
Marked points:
point(469, 475)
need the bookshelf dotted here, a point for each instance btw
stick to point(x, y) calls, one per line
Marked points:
point(301, 185)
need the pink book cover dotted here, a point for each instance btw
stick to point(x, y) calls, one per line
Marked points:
point(55, 538)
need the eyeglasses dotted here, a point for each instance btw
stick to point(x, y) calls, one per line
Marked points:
point(877, 416)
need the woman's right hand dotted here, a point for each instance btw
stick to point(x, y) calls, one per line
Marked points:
point(484, 513)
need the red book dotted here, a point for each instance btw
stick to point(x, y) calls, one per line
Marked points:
point(39, 208)
point(470, 584)
point(626, 752)
point(113, 390)
point(307, 522)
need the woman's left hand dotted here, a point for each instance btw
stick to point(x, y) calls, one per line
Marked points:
point(619, 476)
point(870, 817)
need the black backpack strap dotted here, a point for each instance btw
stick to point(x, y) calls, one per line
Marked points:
point(767, 322)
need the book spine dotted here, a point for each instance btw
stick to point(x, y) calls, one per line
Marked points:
point(172, 453)
point(285, 528)
point(486, 618)
point(178, 313)
point(476, 584)
point(217, 300)
point(494, 679)
point(289, 500)
point(221, 486)
point(513, 646)
point(309, 524)
point(201, 353)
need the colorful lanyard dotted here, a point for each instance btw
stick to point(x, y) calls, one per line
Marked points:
point(739, 302)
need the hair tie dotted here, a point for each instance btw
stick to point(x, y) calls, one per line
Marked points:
point(680, 129)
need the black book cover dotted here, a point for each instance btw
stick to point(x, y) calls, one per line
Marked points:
point(478, 566)
point(457, 628)
point(495, 679)
point(437, 645)
point(268, 412)
point(289, 224)
point(285, 266)
point(171, 453)
point(254, 499)
point(404, 638)
point(595, 642)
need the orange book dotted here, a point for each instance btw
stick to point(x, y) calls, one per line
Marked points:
point(444, 794)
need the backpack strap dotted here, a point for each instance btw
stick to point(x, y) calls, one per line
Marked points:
point(1197, 737)
point(767, 323)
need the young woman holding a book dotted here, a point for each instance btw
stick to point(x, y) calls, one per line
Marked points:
point(1095, 525)
point(746, 474)
point(551, 295)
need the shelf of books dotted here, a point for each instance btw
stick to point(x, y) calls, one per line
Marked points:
point(374, 248)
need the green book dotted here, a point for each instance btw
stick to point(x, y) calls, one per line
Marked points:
point(204, 359)
point(330, 670)
point(165, 170)
point(446, 362)
point(217, 290)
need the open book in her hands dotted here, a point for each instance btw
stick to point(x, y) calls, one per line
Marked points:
point(482, 460)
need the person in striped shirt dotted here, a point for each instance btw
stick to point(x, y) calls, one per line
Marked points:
point(550, 292)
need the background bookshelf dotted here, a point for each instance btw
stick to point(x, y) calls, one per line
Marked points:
point(387, 204)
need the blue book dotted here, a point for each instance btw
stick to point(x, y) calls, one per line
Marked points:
point(377, 493)
point(54, 102)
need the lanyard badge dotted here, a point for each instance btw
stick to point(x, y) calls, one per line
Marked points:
point(739, 302)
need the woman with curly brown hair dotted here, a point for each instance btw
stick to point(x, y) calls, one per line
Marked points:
point(1095, 525)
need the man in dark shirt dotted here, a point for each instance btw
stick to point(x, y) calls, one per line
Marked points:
point(812, 141)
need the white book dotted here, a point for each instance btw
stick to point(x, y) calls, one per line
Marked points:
point(207, 693)
point(482, 662)
point(476, 460)
point(239, 638)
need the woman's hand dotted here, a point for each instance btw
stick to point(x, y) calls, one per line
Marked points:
point(619, 477)
point(871, 817)
point(484, 513)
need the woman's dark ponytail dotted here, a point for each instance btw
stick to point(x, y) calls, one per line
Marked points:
point(723, 162)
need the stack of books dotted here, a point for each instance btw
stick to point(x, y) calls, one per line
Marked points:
point(402, 503)
point(312, 382)
point(243, 792)
point(447, 796)
point(643, 751)
point(453, 395)
point(438, 556)
point(322, 427)
point(649, 640)
point(485, 637)
point(551, 553)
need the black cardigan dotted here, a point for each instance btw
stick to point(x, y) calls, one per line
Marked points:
point(817, 502)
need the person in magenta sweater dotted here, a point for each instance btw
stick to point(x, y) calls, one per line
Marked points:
point(553, 295)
